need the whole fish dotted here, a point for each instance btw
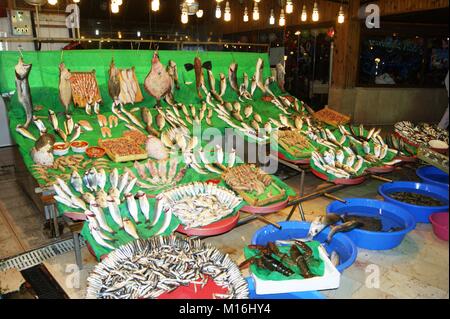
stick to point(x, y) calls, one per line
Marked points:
point(143, 204)
point(254, 85)
point(281, 73)
point(321, 222)
point(248, 111)
point(114, 81)
point(232, 77)
point(53, 119)
point(223, 84)
point(132, 117)
point(76, 133)
point(23, 90)
point(259, 75)
point(211, 81)
point(100, 217)
point(24, 132)
point(132, 207)
point(160, 121)
point(40, 125)
point(65, 89)
point(114, 210)
point(95, 232)
point(246, 81)
point(114, 178)
point(130, 228)
point(345, 227)
point(158, 82)
point(173, 72)
point(77, 182)
point(199, 76)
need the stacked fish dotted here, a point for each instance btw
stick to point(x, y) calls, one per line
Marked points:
point(343, 163)
point(210, 162)
point(148, 269)
point(179, 139)
point(158, 175)
point(422, 133)
point(198, 204)
point(71, 130)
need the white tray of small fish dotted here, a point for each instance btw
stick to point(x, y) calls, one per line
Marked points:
point(330, 280)
point(147, 269)
point(198, 204)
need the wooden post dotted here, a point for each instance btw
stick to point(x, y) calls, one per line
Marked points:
point(346, 49)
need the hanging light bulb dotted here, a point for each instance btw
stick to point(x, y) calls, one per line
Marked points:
point(289, 7)
point(341, 16)
point(227, 15)
point(315, 14)
point(76, 1)
point(246, 14)
point(304, 16)
point(114, 8)
point(199, 14)
point(184, 13)
point(272, 18)
point(118, 2)
point(282, 21)
point(218, 11)
point(155, 5)
point(256, 11)
point(52, 2)
point(119, 35)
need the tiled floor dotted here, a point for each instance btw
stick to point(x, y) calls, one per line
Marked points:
point(418, 268)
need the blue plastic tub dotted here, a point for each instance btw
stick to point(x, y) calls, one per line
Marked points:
point(433, 175)
point(420, 213)
point(297, 295)
point(345, 248)
point(390, 214)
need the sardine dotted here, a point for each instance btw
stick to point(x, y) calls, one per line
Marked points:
point(23, 90)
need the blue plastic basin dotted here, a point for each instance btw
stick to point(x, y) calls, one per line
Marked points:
point(420, 213)
point(391, 216)
point(433, 175)
point(344, 247)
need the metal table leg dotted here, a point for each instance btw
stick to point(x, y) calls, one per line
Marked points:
point(76, 243)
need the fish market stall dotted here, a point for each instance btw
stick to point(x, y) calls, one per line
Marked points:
point(132, 147)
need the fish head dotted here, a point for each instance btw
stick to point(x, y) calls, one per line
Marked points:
point(316, 227)
point(155, 59)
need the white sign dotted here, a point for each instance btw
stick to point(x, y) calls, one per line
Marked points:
point(73, 19)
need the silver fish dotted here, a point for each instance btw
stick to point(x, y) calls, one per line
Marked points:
point(100, 217)
point(40, 125)
point(101, 178)
point(22, 71)
point(97, 237)
point(143, 204)
point(320, 223)
point(132, 207)
point(76, 134)
point(114, 178)
point(77, 182)
point(114, 210)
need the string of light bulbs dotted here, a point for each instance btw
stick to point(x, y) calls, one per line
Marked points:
point(187, 5)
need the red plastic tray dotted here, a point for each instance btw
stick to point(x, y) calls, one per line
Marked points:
point(217, 228)
point(381, 169)
point(190, 292)
point(299, 162)
point(340, 181)
point(266, 209)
